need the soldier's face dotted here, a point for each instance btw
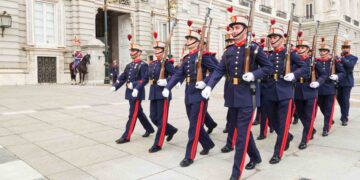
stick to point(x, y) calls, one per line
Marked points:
point(158, 52)
point(324, 53)
point(276, 41)
point(238, 31)
point(345, 50)
point(303, 50)
point(135, 54)
point(192, 43)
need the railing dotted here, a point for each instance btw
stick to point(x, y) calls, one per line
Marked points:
point(356, 23)
point(281, 14)
point(244, 3)
point(347, 18)
point(265, 9)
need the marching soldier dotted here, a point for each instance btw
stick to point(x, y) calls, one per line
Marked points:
point(159, 105)
point(135, 76)
point(278, 89)
point(345, 85)
point(229, 41)
point(327, 91)
point(306, 92)
point(195, 103)
point(238, 95)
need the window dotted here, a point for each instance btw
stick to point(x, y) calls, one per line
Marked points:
point(164, 31)
point(195, 9)
point(44, 23)
point(309, 11)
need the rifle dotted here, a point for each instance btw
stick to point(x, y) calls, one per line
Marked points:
point(166, 51)
point(208, 35)
point(313, 53)
point(249, 38)
point(288, 40)
point(333, 60)
point(199, 73)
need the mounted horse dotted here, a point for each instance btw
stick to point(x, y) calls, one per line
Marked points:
point(81, 69)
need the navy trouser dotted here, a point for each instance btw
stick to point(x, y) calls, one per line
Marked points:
point(327, 105)
point(196, 133)
point(279, 114)
point(135, 112)
point(159, 110)
point(343, 97)
point(264, 121)
point(209, 121)
point(306, 110)
point(242, 118)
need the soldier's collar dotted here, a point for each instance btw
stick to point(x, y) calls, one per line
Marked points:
point(346, 55)
point(136, 60)
point(304, 57)
point(241, 43)
point(324, 59)
point(193, 51)
point(277, 50)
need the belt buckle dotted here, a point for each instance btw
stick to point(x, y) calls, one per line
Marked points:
point(235, 81)
point(151, 82)
point(276, 77)
point(301, 80)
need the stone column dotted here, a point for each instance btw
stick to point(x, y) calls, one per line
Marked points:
point(96, 69)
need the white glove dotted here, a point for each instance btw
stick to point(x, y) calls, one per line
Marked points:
point(130, 85)
point(248, 77)
point(165, 93)
point(206, 92)
point(112, 89)
point(178, 85)
point(162, 82)
point(314, 84)
point(289, 77)
point(135, 93)
point(334, 77)
point(200, 85)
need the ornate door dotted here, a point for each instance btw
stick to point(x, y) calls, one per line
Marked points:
point(46, 69)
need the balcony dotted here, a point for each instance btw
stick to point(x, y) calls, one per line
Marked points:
point(308, 19)
point(265, 9)
point(347, 18)
point(281, 14)
point(244, 3)
point(356, 23)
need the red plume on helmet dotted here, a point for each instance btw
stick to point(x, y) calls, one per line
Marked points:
point(253, 35)
point(285, 35)
point(322, 39)
point(199, 30)
point(155, 34)
point(189, 23)
point(230, 9)
point(299, 34)
point(227, 28)
point(272, 21)
point(129, 36)
point(262, 40)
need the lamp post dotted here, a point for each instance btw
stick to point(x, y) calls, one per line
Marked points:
point(5, 22)
point(171, 14)
point(106, 51)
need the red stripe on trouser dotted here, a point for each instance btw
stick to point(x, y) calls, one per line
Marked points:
point(164, 122)
point(286, 130)
point(308, 137)
point(246, 143)
point(266, 126)
point(133, 120)
point(197, 131)
point(233, 139)
point(332, 113)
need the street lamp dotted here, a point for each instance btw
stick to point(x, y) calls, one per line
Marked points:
point(106, 51)
point(5, 22)
point(171, 14)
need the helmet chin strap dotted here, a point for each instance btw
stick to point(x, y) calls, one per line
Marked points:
point(187, 45)
point(237, 35)
point(134, 55)
point(276, 41)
